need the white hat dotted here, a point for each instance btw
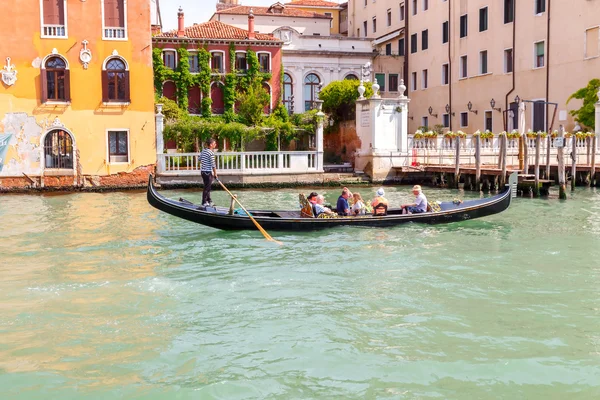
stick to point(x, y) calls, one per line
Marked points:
point(380, 192)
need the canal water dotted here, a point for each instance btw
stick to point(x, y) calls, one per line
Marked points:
point(102, 296)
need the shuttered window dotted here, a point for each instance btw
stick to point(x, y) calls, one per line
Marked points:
point(114, 13)
point(115, 82)
point(54, 12)
point(55, 79)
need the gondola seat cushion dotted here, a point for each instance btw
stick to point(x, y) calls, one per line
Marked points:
point(306, 209)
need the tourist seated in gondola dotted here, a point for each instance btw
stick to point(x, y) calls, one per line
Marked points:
point(380, 203)
point(320, 208)
point(312, 199)
point(343, 207)
point(359, 207)
point(420, 204)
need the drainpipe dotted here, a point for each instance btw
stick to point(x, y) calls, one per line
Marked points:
point(449, 65)
point(514, 72)
point(547, 61)
point(406, 43)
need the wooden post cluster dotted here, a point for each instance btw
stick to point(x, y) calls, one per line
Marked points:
point(593, 163)
point(504, 151)
point(562, 189)
point(573, 161)
point(457, 166)
point(536, 189)
point(477, 161)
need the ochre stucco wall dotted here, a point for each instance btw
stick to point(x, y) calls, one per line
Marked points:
point(85, 117)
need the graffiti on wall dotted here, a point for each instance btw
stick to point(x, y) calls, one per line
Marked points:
point(19, 145)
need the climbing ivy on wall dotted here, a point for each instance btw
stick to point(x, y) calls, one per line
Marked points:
point(233, 82)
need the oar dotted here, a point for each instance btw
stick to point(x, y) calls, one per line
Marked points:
point(260, 228)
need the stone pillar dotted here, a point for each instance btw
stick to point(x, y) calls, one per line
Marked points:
point(160, 145)
point(319, 136)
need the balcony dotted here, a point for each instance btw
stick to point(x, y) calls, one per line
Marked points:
point(115, 33)
point(51, 31)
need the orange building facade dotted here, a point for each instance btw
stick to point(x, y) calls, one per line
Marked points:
point(76, 97)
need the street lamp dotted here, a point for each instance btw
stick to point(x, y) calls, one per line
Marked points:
point(431, 112)
point(448, 109)
point(493, 104)
point(470, 106)
point(517, 99)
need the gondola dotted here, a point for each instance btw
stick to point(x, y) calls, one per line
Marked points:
point(221, 217)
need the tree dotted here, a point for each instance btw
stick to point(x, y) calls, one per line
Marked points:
point(339, 98)
point(589, 94)
point(252, 103)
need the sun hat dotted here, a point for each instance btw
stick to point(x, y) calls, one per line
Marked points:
point(380, 192)
point(417, 187)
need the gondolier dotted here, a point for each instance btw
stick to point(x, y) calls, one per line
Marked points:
point(208, 170)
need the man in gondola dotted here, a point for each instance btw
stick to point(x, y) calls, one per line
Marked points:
point(208, 170)
point(420, 204)
point(342, 207)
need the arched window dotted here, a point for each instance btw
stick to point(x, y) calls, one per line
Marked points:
point(288, 92)
point(115, 81)
point(351, 77)
point(58, 150)
point(55, 80)
point(311, 91)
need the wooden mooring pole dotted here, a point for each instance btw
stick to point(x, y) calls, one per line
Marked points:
point(503, 159)
point(536, 189)
point(525, 155)
point(562, 189)
point(478, 162)
point(573, 161)
point(588, 160)
point(457, 165)
point(593, 163)
point(548, 148)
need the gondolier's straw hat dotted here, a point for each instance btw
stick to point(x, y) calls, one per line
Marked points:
point(417, 188)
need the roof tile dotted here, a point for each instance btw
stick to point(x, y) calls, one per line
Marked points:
point(312, 3)
point(270, 11)
point(217, 30)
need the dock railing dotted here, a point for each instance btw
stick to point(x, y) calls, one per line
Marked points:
point(242, 163)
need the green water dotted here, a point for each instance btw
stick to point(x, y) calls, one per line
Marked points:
point(104, 297)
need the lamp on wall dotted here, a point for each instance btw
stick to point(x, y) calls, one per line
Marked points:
point(493, 104)
point(431, 112)
point(517, 99)
point(470, 106)
point(448, 109)
point(411, 117)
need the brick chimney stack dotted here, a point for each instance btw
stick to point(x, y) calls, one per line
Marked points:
point(251, 34)
point(180, 23)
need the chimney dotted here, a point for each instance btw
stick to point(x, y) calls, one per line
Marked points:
point(180, 23)
point(251, 34)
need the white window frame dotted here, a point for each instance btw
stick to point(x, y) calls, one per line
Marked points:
point(535, 54)
point(128, 146)
point(461, 74)
point(487, 28)
point(585, 55)
point(389, 17)
point(504, 61)
point(486, 61)
point(446, 115)
point(224, 62)
point(460, 25)
point(537, 14)
point(447, 76)
point(235, 60)
point(461, 119)
point(492, 114)
point(163, 56)
point(415, 7)
point(258, 58)
point(197, 53)
point(413, 81)
point(104, 27)
point(374, 24)
point(425, 3)
point(423, 123)
point(400, 11)
point(42, 22)
point(424, 82)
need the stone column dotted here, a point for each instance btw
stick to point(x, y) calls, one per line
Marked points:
point(402, 101)
point(160, 145)
point(319, 136)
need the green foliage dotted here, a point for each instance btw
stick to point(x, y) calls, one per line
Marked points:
point(170, 110)
point(161, 73)
point(183, 78)
point(251, 104)
point(339, 98)
point(204, 80)
point(586, 114)
point(229, 92)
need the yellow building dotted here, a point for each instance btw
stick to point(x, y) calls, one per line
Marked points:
point(327, 8)
point(77, 99)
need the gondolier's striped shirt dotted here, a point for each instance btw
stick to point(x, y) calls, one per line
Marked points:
point(207, 160)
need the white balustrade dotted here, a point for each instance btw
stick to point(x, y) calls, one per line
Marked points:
point(243, 163)
point(115, 33)
point(53, 31)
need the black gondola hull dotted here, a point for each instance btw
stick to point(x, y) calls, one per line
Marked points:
point(291, 220)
